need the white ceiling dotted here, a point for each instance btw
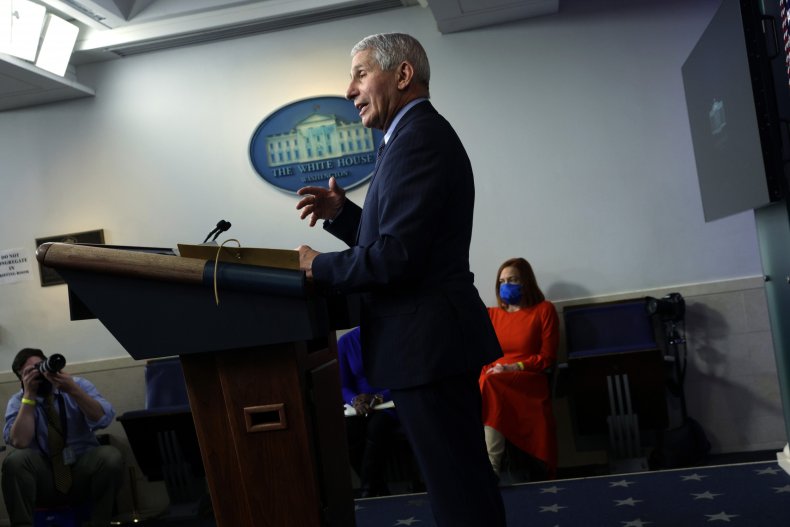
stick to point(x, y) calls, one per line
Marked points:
point(111, 29)
point(140, 26)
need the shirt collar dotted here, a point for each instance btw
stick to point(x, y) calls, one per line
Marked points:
point(401, 113)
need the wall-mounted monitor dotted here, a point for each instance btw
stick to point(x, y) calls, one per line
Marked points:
point(732, 79)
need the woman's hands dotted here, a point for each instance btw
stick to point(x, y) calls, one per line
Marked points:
point(499, 368)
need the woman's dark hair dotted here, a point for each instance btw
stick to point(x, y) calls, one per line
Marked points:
point(530, 292)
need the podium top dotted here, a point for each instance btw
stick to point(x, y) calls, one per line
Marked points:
point(277, 258)
point(159, 305)
point(128, 262)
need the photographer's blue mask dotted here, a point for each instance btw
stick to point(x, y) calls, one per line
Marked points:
point(510, 293)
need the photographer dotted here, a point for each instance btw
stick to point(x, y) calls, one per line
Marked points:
point(57, 459)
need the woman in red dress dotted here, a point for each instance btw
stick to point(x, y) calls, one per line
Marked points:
point(515, 388)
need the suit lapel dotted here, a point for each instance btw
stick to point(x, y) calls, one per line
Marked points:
point(414, 112)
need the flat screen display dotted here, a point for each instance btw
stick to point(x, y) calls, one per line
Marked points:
point(733, 160)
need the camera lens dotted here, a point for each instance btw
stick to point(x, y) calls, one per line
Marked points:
point(53, 364)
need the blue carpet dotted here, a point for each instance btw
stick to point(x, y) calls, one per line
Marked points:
point(744, 495)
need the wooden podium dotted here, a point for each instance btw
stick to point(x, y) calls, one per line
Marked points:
point(261, 371)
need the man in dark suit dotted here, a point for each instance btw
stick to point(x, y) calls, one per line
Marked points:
point(425, 331)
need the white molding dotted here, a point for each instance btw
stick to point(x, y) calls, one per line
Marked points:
point(783, 458)
point(82, 368)
point(687, 290)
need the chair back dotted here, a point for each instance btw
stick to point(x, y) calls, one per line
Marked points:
point(165, 386)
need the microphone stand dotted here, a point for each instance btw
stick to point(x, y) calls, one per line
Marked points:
point(221, 227)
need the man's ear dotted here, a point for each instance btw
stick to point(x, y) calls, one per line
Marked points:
point(405, 75)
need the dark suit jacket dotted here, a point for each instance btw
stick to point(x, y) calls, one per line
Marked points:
point(422, 318)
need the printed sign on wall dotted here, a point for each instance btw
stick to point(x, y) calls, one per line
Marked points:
point(14, 266)
point(309, 141)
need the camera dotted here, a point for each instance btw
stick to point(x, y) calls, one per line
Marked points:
point(671, 307)
point(53, 364)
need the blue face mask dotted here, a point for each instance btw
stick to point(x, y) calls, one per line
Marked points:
point(510, 293)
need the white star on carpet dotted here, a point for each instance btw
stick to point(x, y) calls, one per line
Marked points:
point(723, 516)
point(769, 470)
point(635, 523)
point(621, 483)
point(707, 495)
point(786, 488)
point(629, 501)
point(693, 477)
point(552, 490)
point(407, 521)
point(552, 508)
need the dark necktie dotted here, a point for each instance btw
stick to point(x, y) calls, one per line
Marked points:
point(60, 471)
point(380, 152)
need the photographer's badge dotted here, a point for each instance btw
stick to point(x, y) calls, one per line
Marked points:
point(69, 458)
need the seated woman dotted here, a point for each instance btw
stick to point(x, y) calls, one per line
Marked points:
point(515, 388)
point(369, 431)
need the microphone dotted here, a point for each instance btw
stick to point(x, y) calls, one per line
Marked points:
point(221, 227)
